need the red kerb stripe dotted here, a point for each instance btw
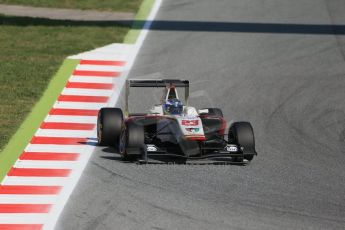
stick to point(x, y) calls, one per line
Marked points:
point(32, 172)
point(46, 156)
point(21, 226)
point(92, 99)
point(58, 140)
point(74, 112)
point(67, 126)
point(98, 62)
point(84, 85)
point(25, 208)
point(33, 190)
point(96, 73)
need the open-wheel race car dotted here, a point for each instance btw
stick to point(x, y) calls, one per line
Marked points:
point(172, 128)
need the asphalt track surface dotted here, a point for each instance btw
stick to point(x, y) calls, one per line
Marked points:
point(289, 84)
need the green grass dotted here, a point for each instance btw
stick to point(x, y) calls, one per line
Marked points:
point(31, 51)
point(139, 21)
point(104, 5)
point(27, 129)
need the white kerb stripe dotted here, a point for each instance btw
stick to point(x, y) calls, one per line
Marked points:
point(72, 119)
point(27, 199)
point(91, 79)
point(64, 133)
point(35, 181)
point(23, 218)
point(57, 148)
point(45, 164)
point(108, 68)
point(78, 105)
point(86, 92)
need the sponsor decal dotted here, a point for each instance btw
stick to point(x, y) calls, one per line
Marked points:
point(193, 130)
point(151, 148)
point(231, 148)
point(190, 122)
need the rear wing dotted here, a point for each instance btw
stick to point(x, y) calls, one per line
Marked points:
point(156, 83)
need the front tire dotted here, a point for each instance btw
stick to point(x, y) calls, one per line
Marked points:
point(109, 125)
point(242, 134)
point(132, 141)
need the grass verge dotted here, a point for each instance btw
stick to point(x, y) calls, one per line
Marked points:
point(139, 21)
point(104, 5)
point(32, 51)
point(32, 122)
point(29, 57)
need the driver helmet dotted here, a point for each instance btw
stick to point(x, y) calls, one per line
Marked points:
point(173, 106)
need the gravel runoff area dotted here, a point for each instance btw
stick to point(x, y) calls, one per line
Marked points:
point(64, 14)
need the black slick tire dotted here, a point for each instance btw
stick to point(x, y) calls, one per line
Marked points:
point(242, 134)
point(132, 141)
point(109, 125)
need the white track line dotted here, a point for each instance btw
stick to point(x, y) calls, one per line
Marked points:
point(110, 52)
point(86, 92)
point(79, 105)
point(64, 133)
point(45, 164)
point(35, 181)
point(28, 199)
point(71, 119)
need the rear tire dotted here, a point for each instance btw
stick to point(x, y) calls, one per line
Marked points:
point(132, 141)
point(242, 134)
point(109, 125)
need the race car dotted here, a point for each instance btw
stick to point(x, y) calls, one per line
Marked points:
point(172, 128)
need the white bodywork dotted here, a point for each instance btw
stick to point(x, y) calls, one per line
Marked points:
point(189, 123)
